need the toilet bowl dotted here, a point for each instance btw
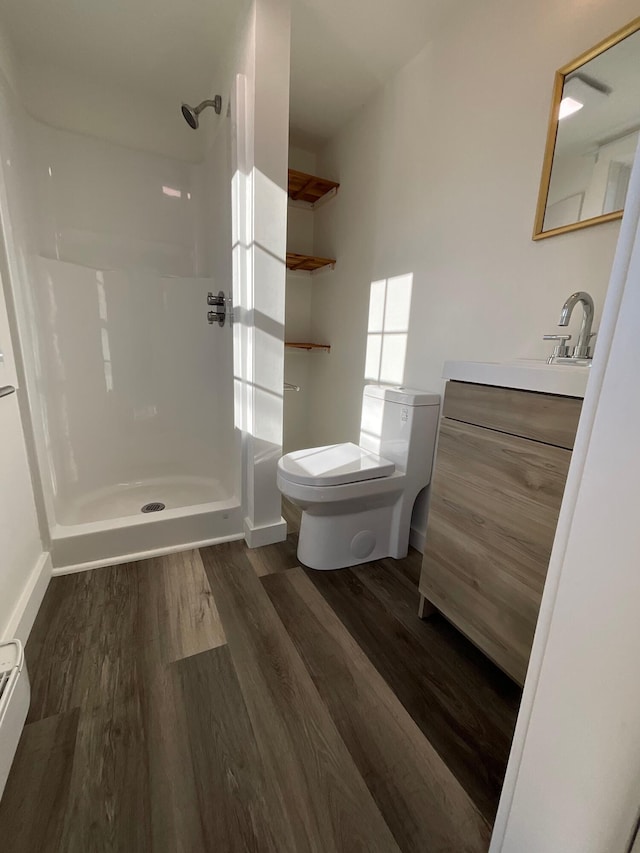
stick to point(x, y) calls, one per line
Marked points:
point(357, 500)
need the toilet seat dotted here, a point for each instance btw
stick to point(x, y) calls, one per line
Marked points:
point(324, 495)
point(333, 465)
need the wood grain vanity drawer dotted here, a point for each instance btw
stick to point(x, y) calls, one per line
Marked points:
point(541, 417)
point(492, 519)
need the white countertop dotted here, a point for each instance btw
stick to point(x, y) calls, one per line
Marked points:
point(527, 374)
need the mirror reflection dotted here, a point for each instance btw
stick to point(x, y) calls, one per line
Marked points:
point(592, 139)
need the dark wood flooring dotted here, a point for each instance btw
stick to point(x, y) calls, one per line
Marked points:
point(231, 700)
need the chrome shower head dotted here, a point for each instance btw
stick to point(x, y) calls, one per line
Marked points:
point(191, 114)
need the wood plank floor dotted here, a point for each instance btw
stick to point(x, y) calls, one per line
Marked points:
point(232, 700)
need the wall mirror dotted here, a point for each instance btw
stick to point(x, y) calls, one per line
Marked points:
point(592, 137)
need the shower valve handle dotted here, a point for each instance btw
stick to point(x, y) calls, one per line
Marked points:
point(220, 313)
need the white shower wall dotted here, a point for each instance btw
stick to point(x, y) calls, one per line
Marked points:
point(135, 384)
point(109, 206)
point(112, 250)
point(17, 213)
point(127, 384)
point(117, 220)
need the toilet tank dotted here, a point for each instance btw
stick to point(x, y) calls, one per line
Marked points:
point(401, 424)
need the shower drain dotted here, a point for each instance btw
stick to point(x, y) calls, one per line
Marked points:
point(152, 507)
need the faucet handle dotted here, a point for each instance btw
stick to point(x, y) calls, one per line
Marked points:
point(561, 350)
point(584, 351)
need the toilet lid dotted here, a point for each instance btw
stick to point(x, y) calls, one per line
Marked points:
point(333, 465)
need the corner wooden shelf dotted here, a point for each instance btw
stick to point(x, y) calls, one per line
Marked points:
point(309, 188)
point(306, 346)
point(308, 263)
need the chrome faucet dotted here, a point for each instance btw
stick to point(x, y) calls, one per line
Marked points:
point(582, 348)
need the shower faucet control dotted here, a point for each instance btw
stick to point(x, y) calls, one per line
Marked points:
point(219, 314)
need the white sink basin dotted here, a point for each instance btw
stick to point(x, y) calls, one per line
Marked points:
point(570, 380)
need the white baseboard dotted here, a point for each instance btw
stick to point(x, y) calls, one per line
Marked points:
point(142, 555)
point(417, 539)
point(256, 537)
point(26, 610)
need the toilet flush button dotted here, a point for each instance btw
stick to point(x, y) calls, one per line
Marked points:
point(363, 544)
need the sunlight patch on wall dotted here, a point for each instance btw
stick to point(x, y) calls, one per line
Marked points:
point(388, 330)
point(258, 274)
point(104, 331)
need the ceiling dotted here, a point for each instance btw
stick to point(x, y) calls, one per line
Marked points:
point(342, 51)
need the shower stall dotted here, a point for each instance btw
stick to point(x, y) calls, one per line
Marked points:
point(116, 246)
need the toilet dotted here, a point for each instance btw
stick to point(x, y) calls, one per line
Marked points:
point(357, 500)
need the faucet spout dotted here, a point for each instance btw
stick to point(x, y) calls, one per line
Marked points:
point(582, 348)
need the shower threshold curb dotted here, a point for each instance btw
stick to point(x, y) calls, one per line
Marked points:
point(143, 555)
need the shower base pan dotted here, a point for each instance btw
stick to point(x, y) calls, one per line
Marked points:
point(143, 519)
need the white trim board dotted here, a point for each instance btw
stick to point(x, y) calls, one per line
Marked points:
point(24, 613)
point(267, 534)
point(417, 539)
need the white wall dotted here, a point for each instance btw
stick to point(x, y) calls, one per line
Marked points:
point(439, 179)
point(260, 108)
point(297, 324)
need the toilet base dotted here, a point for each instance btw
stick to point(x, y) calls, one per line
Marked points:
point(329, 542)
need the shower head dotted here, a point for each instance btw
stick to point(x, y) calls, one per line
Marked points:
point(191, 114)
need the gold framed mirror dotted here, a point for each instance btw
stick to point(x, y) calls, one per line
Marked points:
point(593, 133)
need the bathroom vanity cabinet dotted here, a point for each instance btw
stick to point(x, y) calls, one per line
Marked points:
point(500, 471)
